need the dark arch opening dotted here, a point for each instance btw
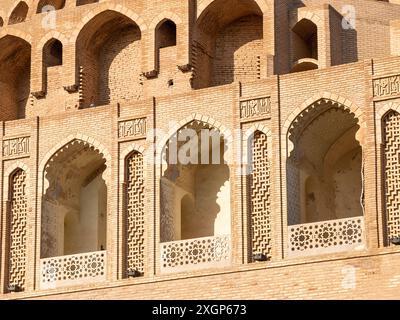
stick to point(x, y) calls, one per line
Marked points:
point(19, 13)
point(48, 5)
point(15, 61)
point(166, 34)
point(305, 40)
point(83, 2)
point(53, 53)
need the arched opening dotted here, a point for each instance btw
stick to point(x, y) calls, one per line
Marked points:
point(17, 212)
point(165, 38)
point(324, 169)
point(19, 13)
point(324, 178)
point(195, 193)
point(83, 2)
point(109, 60)
point(192, 177)
point(15, 60)
point(46, 5)
point(166, 34)
point(305, 46)
point(227, 43)
point(74, 203)
point(1, 22)
point(53, 53)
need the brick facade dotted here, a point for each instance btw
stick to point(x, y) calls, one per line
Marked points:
point(230, 68)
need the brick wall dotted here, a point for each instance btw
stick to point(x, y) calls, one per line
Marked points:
point(111, 73)
point(238, 52)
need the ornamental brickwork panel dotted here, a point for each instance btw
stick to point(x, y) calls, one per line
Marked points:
point(17, 229)
point(260, 199)
point(391, 124)
point(195, 254)
point(326, 236)
point(135, 213)
point(74, 269)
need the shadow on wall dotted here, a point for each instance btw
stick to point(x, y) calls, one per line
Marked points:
point(19, 13)
point(15, 60)
point(344, 46)
point(83, 2)
point(122, 47)
point(227, 43)
point(238, 51)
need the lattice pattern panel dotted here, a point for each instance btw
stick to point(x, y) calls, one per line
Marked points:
point(135, 213)
point(260, 198)
point(391, 124)
point(326, 236)
point(17, 233)
point(195, 254)
point(73, 270)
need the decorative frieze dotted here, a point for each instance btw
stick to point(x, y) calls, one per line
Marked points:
point(135, 128)
point(386, 87)
point(255, 108)
point(16, 147)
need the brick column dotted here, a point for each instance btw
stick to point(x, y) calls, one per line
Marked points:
point(369, 156)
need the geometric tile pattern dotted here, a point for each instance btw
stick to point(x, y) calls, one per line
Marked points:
point(195, 253)
point(17, 233)
point(391, 126)
point(72, 269)
point(135, 213)
point(260, 198)
point(334, 234)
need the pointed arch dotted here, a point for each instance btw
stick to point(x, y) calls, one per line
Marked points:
point(389, 142)
point(228, 37)
point(99, 147)
point(324, 163)
point(227, 134)
point(10, 169)
point(104, 7)
point(107, 55)
point(264, 5)
point(313, 103)
point(380, 115)
point(74, 196)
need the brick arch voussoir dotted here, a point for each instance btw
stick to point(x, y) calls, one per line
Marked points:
point(106, 6)
point(264, 5)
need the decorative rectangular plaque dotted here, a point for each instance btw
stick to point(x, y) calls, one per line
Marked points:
point(255, 108)
point(16, 147)
point(132, 128)
point(386, 87)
